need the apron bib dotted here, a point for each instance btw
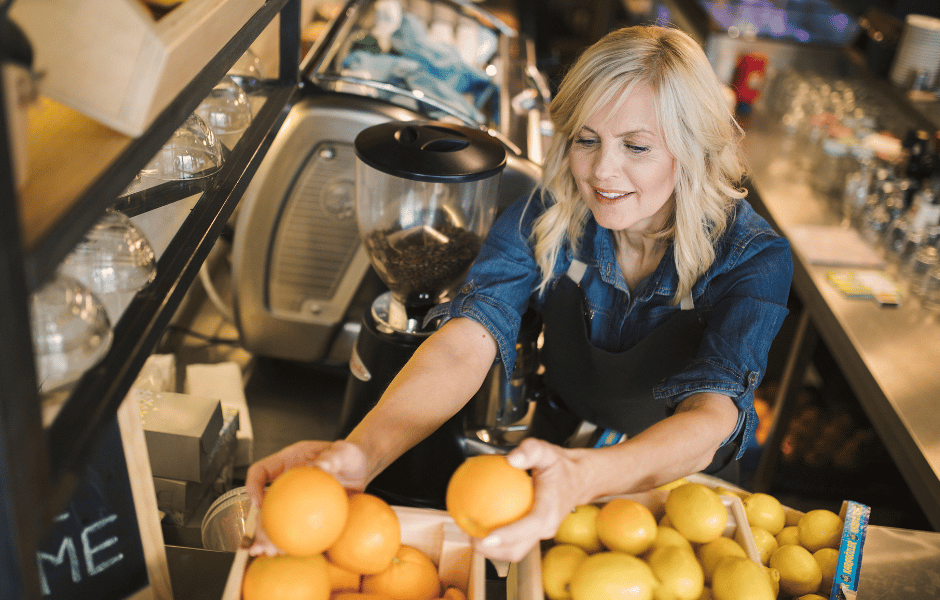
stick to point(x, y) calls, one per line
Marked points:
point(614, 390)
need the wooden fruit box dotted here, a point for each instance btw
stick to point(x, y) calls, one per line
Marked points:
point(526, 582)
point(113, 62)
point(431, 531)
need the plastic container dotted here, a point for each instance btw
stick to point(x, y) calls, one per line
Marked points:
point(226, 521)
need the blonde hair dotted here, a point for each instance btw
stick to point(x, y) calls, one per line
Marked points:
point(698, 129)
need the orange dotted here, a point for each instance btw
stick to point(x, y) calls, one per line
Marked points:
point(486, 492)
point(287, 578)
point(359, 596)
point(411, 576)
point(304, 511)
point(626, 525)
point(371, 537)
point(343, 580)
point(453, 593)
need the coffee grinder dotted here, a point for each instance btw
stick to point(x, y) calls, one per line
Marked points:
point(425, 199)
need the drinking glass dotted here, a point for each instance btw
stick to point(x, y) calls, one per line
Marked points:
point(70, 329)
point(114, 260)
point(192, 152)
point(226, 111)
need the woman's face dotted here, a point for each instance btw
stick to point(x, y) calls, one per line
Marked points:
point(621, 166)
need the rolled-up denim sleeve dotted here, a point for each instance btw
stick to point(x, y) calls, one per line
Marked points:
point(743, 309)
point(500, 283)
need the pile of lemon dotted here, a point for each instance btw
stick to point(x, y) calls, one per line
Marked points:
point(621, 550)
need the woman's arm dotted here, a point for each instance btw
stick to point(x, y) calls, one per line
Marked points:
point(679, 445)
point(444, 373)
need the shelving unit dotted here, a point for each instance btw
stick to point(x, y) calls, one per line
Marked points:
point(40, 464)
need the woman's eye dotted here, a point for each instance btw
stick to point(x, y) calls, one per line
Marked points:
point(586, 142)
point(637, 149)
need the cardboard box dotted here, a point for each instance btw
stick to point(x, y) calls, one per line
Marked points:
point(845, 584)
point(224, 381)
point(525, 578)
point(113, 62)
point(431, 531)
point(178, 498)
point(180, 431)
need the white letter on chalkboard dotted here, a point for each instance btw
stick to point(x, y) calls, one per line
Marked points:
point(89, 551)
point(67, 546)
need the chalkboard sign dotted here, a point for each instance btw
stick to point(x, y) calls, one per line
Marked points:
point(103, 544)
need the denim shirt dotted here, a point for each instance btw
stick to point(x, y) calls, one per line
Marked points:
point(741, 300)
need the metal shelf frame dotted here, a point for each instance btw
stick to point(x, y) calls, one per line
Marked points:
point(40, 466)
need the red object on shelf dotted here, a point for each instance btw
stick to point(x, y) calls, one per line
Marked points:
point(749, 78)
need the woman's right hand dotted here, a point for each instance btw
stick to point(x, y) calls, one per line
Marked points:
point(344, 460)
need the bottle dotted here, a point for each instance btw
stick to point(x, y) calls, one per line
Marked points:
point(858, 182)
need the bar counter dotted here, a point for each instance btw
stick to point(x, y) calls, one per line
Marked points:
point(889, 355)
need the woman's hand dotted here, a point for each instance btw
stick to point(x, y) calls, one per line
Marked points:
point(344, 460)
point(558, 480)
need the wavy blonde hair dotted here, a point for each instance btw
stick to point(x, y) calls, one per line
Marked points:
point(698, 129)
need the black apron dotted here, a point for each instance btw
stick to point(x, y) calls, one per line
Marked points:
point(614, 390)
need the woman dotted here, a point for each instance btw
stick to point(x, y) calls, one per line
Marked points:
point(659, 287)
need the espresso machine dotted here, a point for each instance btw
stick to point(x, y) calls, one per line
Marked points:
point(425, 199)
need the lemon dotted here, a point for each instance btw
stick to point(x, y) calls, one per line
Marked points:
point(626, 525)
point(764, 511)
point(766, 543)
point(828, 560)
point(678, 573)
point(812, 597)
point(667, 536)
point(788, 535)
point(672, 484)
point(696, 512)
point(773, 575)
point(710, 554)
point(580, 528)
point(739, 578)
point(820, 528)
point(799, 572)
point(558, 565)
point(613, 575)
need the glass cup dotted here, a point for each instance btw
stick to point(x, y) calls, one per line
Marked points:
point(114, 260)
point(226, 111)
point(70, 329)
point(931, 290)
point(192, 152)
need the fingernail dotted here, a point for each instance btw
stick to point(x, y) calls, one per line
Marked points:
point(490, 541)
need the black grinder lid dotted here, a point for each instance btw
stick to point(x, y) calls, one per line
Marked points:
point(431, 151)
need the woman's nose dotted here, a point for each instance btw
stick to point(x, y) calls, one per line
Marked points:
point(606, 164)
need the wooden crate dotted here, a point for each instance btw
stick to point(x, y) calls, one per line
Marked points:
point(110, 60)
point(431, 531)
point(525, 578)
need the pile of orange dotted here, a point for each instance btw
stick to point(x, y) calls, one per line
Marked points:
point(336, 546)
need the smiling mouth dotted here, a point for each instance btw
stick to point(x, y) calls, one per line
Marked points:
point(608, 198)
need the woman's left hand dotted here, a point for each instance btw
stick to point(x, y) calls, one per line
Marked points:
point(558, 488)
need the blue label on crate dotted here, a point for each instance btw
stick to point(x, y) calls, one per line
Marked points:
point(845, 585)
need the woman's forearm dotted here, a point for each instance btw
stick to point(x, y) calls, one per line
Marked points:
point(682, 444)
point(444, 373)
